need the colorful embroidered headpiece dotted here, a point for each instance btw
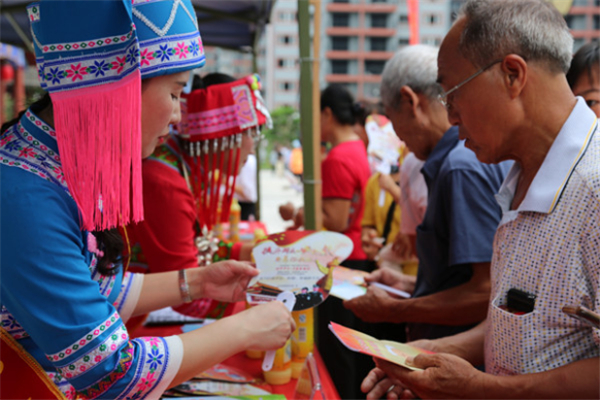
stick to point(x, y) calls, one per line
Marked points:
point(168, 36)
point(213, 121)
point(91, 57)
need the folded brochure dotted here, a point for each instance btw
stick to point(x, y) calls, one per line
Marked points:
point(388, 350)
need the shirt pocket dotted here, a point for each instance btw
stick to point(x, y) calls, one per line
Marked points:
point(509, 341)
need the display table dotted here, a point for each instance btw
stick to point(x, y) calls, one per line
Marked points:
point(253, 366)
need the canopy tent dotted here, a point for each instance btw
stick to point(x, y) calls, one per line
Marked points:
point(231, 24)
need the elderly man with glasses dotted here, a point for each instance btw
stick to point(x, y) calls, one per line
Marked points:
point(503, 65)
point(454, 240)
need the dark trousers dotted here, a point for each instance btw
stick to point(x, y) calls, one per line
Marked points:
point(248, 209)
point(348, 368)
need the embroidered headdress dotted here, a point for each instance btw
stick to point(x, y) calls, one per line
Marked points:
point(213, 121)
point(91, 57)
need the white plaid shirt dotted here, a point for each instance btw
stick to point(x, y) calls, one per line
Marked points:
point(549, 247)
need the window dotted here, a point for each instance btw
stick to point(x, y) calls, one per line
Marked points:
point(431, 40)
point(286, 86)
point(576, 22)
point(403, 41)
point(433, 19)
point(341, 1)
point(286, 39)
point(378, 44)
point(341, 19)
point(403, 19)
point(339, 66)
point(339, 43)
point(285, 63)
point(596, 22)
point(379, 20)
point(378, 1)
point(374, 67)
point(287, 16)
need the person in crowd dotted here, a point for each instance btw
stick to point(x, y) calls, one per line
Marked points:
point(413, 202)
point(344, 175)
point(171, 236)
point(296, 166)
point(71, 173)
point(584, 75)
point(454, 241)
point(502, 67)
point(381, 219)
point(365, 108)
point(345, 172)
point(246, 189)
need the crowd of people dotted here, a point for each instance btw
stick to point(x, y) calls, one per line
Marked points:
point(115, 184)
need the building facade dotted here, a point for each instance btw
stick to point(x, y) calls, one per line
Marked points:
point(359, 36)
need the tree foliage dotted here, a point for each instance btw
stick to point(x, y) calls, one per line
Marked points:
point(286, 127)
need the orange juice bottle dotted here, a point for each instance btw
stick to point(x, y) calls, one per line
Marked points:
point(234, 221)
point(302, 339)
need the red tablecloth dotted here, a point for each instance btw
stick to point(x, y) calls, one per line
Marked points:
point(253, 367)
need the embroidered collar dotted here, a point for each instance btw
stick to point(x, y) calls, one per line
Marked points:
point(31, 146)
point(560, 162)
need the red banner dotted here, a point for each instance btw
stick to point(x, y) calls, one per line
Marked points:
point(413, 21)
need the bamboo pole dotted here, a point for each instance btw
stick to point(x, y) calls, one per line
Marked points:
point(310, 113)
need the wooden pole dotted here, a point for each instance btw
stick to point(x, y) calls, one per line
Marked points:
point(310, 113)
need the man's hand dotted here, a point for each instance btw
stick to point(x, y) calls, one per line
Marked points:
point(402, 246)
point(393, 278)
point(287, 211)
point(374, 306)
point(444, 376)
point(222, 281)
point(377, 384)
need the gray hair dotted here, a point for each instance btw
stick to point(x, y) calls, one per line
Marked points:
point(412, 66)
point(533, 29)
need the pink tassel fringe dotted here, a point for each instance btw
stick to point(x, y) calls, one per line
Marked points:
point(99, 139)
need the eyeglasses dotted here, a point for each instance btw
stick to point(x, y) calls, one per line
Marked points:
point(443, 98)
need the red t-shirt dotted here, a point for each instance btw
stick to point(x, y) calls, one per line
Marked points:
point(345, 173)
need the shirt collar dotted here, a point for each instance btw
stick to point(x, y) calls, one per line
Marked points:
point(560, 162)
point(438, 155)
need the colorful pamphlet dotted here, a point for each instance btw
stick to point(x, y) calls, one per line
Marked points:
point(299, 262)
point(388, 350)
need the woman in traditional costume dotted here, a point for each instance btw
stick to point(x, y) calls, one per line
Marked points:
point(200, 158)
point(71, 174)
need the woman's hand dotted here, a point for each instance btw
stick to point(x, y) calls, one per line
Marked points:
point(267, 326)
point(222, 281)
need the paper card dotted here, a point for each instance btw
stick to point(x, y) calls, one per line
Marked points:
point(299, 262)
point(348, 283)
point(219, 388)
point(385, 349)
point(347, 291)
point(225, 373)
point(354, 276)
